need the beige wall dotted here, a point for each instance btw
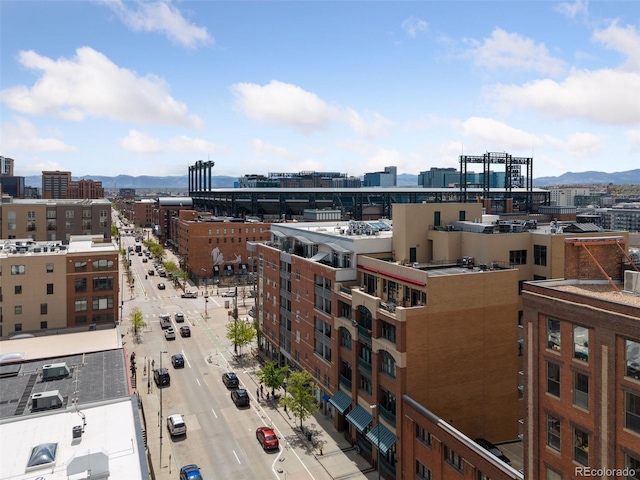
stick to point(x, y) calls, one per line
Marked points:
point(34, 292)
point(21, 213)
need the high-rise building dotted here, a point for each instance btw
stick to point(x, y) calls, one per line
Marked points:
point(386, 178)
point(6, 167)
point(55, 184)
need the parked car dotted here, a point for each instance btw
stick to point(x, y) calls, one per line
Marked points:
point(190, 472)
point(230, 380)
point(240, 397)
point(185, 331)
point(230, 293)
point(179, 317)
point(161, 286)
point(177, 360)
point(170, 334)
point(189, 295)
point(151, 272)
point(145, 259)
point(176, 425)
point(161, 377)
point(267, 438)
point(493, 450)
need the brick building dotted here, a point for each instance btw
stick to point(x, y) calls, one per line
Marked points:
point(582, 358)
point(55, 184)
point(85, 189)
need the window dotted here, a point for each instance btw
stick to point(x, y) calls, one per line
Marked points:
point(51, 214)
point(422, 471)
point(17, 270)
point(462, 215)
point(452, 458)
point(49, 267)
point(553, 334)
point(540, 255)
point(17, 290)
point(365, 384)
point(581, 390)
point(68, 224)
point(81, 284)
point(86, 225)
point(632, 464)
point(43, 325)
point(69, 213)
point(102, 303)
point(49, 288)
point(17, 310)
point(553, 475)
point(518, 257)
point(388, 364)
point(81, 319)
point(345, 338)
point(388, 403)
point(423, 435)
point(553, 379)
point(581, 447)
point(581, 343)
point(101, 265)
point(43, 309)
point(102, 283)
point(81, 266)
point(632, 412)
point(553, 432)
point(632, 359)
point(17, 327)
point(436, 219)
point(389, 331)
point(86, 213)
point(81, 304)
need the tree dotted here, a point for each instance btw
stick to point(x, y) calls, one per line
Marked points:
point(272, 375)
point(241, 333)
point(301, 398)
point(137, 320)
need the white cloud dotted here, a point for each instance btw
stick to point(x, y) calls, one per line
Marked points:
point(633, 137)
point(498, 134)
point(263, 149)
point(91, 85)
point(159, 17)
point(602, 97)
point(580, 145)
point(510, 50)
point(284, 104)
point(413, 25)
point(625, 40)
point(577, 8)
point(368, 157)
point(140, 142)
point(24, 136)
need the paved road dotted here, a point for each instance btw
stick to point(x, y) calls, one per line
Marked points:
point(221, 437)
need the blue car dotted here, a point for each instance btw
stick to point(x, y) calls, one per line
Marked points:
point(190, 472)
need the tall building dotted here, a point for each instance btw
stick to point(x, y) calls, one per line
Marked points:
point(87, 189)
point(6, 166)
point(386, 178)
point(55, 184)
point(565, 197)
point(582, 366)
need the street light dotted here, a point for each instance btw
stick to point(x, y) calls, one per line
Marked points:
point(284, 384)
point(377, 409)
point(160, 388)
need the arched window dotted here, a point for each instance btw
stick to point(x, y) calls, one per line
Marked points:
point(388, 364)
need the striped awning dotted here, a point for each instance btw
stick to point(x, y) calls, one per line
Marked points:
point(341, 401)
point(359, 418)
point(381, 437)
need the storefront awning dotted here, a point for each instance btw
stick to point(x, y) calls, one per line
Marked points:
point(359, 418)
point(381, 437)
point(318, 256)
point(341, 401)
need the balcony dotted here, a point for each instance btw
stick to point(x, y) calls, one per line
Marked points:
point(364, 364)
point(345, 290)
point(345, 381)
point(390, 417)
point(364, 332)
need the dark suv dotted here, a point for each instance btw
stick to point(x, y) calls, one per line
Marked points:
point(230, 380)
point(493, 450)
point(240, 397)
point(161, 377)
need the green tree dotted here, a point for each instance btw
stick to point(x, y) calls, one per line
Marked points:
point(241, 333)
point(158, 251)
point(272, 375)
point(301, 395)
point(171, 267)
point(114, 231)
point(137, 320)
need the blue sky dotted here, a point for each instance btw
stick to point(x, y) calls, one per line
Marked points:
point(112, 87)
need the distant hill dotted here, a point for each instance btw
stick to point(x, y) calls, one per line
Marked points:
point(630, 177)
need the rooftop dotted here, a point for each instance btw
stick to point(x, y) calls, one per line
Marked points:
point(598, 289)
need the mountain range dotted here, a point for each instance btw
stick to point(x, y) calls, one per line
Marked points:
point(630, 177)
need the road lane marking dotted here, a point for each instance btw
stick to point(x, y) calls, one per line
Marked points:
point(214, 413)
point(198, 382)
point(185, 357)
point(236, 455)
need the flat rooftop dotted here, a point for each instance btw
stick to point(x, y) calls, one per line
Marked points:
point(600, 289)
point(109, 437)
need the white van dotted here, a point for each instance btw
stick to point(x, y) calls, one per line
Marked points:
point(176, 425)
point(165, 320)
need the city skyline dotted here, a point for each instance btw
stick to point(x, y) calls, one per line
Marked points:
point(148, 88)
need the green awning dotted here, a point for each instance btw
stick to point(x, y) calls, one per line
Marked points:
point(381, 436)
point(341, 401)
point(359, 418)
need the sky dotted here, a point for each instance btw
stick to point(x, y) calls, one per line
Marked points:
point(110, 87)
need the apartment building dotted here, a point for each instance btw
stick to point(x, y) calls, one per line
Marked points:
point(51, 286)
point(214, 247)
point(51, 220)
point(85, 189)
point(144, 212)
point(565, 197)
point(55, 184)
point(6, 166)
point(582, 380)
